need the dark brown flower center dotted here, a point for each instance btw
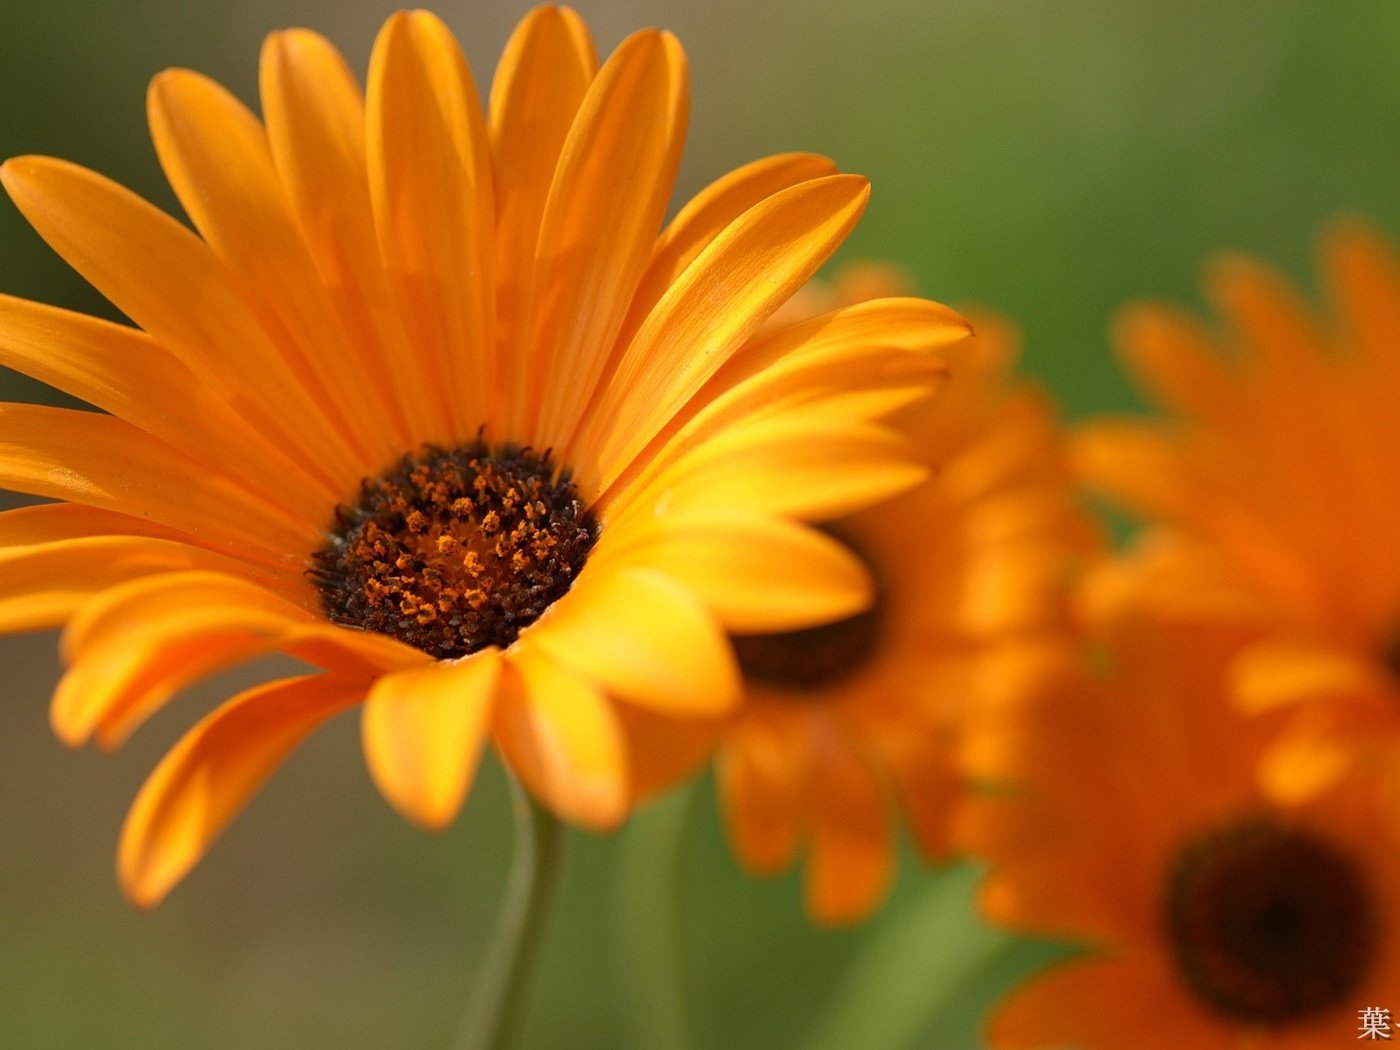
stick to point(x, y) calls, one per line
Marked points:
point(815, 658)
point(1388, 652)
point(455, 549)
point(1269, 924)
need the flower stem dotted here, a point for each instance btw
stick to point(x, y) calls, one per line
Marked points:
point(646, 923)
point(497, 1009)
point(914, 964)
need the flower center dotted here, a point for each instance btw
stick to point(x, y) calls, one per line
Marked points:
point(1388, 652)
point(455, 549)
point(814, 658)
point(1269, 924)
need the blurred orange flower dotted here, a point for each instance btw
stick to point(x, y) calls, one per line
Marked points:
point(846, 723)
point(1276, 483)
point(433, 402)
point(1124, 813)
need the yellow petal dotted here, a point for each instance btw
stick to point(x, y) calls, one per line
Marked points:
point(430, 182)
point(642, 637)
point(730, 289)
point(562, 738)
point(600, 222)
point(209, 776)
point(423, 729)
point(757, 574)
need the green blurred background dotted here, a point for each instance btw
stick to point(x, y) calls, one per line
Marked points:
point(1051, 159)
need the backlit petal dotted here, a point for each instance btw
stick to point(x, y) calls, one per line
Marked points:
point(642, 637)
point(423, 729)
point(562, 738)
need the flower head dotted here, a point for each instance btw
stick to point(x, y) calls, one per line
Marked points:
point(1123, 812)
point(846, 724)
point(433, 402)
point(1271, 486)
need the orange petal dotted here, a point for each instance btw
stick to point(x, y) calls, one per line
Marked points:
point(170, 283)
point(423, 729)
point(136, 644)
point(126, 372)
point(1102, 1003)
point(1175, 359)
point(731, 288)
point(601, 220)
point(1288, 671)
point(642, 637)
point(563, 740)
point(1308, 757)
point(705, 216)
point(851, 861)
point(540, 82)
point(430, 182)
point(801, 466)
point(316, 131)
point(856, 365)
point(1134, 462)
point(51, 522)
point(209, 776)
point(762, 770)
point(103, 462)
point(43, 584)
point(916, 326)
point(663, 751)
point(216, 156)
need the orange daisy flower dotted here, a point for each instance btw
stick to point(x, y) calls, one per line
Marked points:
point(1276, 483)
point(845, 723)
point(433, 402)
point(1128, 817)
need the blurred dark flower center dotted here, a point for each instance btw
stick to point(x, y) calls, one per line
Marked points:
point(1269, 924)
point(815, 658)
point(455, 550)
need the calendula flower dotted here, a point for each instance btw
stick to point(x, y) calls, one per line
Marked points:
point(1274, 482)
point(432, 402)
point(1125, 814)
point(845, 724)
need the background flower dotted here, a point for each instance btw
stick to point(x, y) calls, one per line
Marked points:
point(1269, 484)
point(1123, 811)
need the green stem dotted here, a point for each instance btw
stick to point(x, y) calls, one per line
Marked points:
point(646, 920)
point(915, 964)
point(497, 1010)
